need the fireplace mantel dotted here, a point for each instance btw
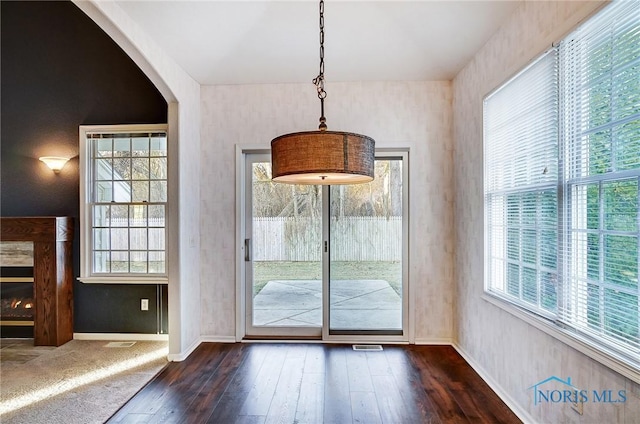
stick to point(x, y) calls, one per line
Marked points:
point(52, 239)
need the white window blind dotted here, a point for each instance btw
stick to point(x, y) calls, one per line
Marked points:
point(124, 191)
point(600, 69)
point(521, 179)
point(562, 184)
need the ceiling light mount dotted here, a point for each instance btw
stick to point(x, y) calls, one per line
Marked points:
point(322, 157)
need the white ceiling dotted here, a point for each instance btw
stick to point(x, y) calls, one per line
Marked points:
point(244, 42)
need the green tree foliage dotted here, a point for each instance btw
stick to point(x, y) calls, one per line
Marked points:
point(612, 205)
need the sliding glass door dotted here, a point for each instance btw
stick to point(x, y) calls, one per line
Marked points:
point(366, 261)
point(283, 254)
point(325, 261)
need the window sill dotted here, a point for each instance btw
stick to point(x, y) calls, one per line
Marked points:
point(124, 280)
point(607, 358)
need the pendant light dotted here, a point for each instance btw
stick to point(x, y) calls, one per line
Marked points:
point(322, 157)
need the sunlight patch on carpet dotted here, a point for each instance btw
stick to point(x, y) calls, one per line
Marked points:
point(81, 380)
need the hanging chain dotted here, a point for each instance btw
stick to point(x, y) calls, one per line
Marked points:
point(319, 80)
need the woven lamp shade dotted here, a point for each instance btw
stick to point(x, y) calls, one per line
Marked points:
point(322, 157)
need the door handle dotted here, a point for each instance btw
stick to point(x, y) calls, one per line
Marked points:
point(247, 250)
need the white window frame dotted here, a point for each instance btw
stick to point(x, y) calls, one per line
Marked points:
point(243, 276)
point(537, 177)
point(86, 257)
point(620, 359)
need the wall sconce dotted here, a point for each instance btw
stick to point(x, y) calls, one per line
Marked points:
point(54, 162)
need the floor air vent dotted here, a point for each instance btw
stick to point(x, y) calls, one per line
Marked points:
point(367, 348)
point(119, 344)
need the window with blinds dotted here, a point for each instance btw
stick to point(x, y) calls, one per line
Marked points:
point(521, 180)
point(124, 202)
point(562, 181)
point(600, 97)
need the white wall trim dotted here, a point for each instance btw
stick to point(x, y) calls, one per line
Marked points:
point(217, 339)
point(502, 394)
point(174, 290)
point(327, 342)
point(122, 337)
point(434, 341)
point(240, 265)
point(179, 357)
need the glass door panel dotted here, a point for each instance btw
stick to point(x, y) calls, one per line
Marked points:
point(334, 272)
point(366, 251)
point(284, 260)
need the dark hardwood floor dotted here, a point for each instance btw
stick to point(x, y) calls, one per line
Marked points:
point(316, 383)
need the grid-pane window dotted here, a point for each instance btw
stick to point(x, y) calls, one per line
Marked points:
point(601, 135)
point(521, 178)
point(562, 183)
point(128, 202)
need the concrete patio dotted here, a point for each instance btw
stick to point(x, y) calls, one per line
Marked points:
point(355, 304)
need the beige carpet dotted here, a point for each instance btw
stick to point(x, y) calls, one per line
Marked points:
point(79, 382)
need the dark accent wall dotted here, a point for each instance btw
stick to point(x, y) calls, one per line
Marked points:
point(59, 71)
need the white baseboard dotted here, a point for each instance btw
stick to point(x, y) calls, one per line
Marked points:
point(432, 341)
point(218, 339)
point(179, 357)
point(508, 400)
point(122, 337)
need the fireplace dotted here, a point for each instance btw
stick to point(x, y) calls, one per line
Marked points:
point(37, 279)
point(17, 304)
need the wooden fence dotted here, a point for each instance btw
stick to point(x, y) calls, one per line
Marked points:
point(289, 239)
point(136, 237)
point(354, 239)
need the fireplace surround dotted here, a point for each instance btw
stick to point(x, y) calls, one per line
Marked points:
point(52, 302)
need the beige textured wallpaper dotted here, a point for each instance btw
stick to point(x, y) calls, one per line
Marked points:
point(416, 115)
point(512, 354)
